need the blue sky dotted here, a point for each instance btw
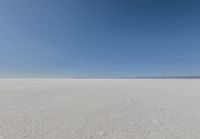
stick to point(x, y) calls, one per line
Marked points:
point(99, 38)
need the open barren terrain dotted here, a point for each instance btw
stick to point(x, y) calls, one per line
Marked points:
point(99, 109)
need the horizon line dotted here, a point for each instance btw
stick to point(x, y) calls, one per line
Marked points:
point(134, 77)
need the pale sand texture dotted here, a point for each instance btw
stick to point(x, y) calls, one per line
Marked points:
point(100, 109)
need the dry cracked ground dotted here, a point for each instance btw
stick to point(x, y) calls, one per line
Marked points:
point(99, 109)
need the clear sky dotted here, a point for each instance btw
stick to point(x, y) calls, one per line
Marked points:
point(99, 38)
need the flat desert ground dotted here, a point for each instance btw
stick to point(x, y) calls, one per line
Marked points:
point(99, 109)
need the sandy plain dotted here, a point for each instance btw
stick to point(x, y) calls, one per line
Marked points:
point(99, 109)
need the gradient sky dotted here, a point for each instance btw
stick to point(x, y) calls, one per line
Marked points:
point(99, 38)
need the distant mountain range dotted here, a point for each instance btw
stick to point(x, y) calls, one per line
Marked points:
point(168, 77)
point(143, 77)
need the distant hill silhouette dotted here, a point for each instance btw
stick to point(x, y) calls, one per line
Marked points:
point(169, 77)
point(143, 77)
